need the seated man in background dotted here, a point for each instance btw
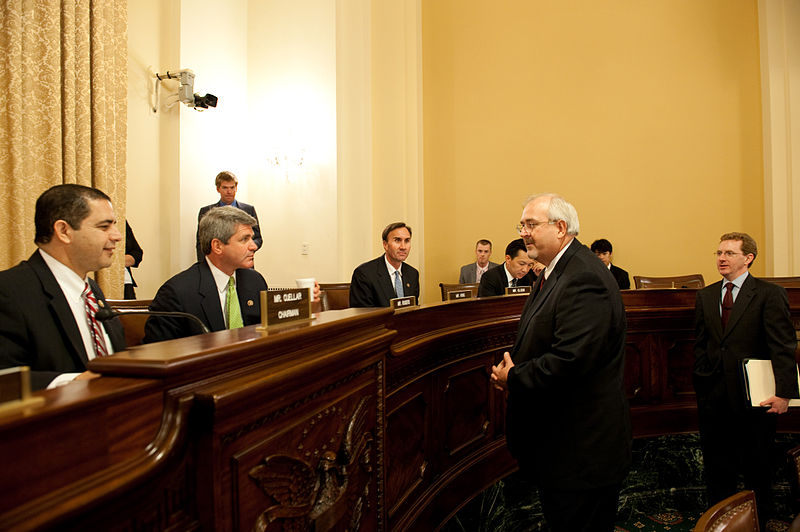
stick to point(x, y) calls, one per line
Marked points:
point(471, 273)
point(602, 248)
point(48, 303)
point(376, 282)
point(518, 270)
point(222, 290)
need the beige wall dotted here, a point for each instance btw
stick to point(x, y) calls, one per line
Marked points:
point(646, 115)
point(152, 140)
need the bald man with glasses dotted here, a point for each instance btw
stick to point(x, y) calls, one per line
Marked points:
point(740, 317)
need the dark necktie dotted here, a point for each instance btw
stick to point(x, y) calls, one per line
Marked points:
point(539, 285)
point(727, 304)
point(513, 282)
point(90, 304)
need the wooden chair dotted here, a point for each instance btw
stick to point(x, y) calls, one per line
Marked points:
point(678, 281)
point(132, 323)
point(335, 296)
point(737, 513)
point(786, 282)
point(445, 287)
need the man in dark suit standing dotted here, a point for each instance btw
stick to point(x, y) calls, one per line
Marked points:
point(376, 282)
point(517, 270)
point(227, 184)
point(48, 303)
point(568, 421)
point(222, 290)
point(472, 273)
point(602, 248)
point(740, 317)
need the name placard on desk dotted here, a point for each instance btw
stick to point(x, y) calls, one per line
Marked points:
point(455, 295)
point(518, 290)
point(285, 305)
point(403, 302)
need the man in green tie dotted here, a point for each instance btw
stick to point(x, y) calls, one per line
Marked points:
point(222, 290)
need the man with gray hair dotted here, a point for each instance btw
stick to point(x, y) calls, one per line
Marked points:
point(567, 418)
point(222, 290)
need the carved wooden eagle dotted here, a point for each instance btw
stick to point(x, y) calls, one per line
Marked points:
point(306, 496)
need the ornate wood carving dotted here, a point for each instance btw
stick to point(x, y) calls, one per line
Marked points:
point(360, 420)
point(330, 491)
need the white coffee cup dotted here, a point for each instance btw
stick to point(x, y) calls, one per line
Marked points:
point(307, 282)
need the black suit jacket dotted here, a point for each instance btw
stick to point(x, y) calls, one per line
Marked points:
point(37, 328)
point(469, 271)
point(194, 291)
point(249, 209)
point(371, 285)
point(133, 249)
point(567, 420)
point(495, 281)
point(621, 276)
point(759, 326)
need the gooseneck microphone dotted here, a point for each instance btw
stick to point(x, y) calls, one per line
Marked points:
point(105, 313)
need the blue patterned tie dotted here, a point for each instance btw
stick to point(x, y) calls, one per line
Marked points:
point(398, 284)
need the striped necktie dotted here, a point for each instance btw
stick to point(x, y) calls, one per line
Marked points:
point(90, 304)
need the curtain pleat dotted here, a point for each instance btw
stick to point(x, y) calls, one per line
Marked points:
point(63, 112)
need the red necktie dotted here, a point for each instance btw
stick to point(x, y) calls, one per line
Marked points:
point(727, 304)
point(90, 303)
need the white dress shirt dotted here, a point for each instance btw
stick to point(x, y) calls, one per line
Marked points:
point(72, 287)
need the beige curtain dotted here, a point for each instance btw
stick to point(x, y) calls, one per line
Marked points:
point(63, 81)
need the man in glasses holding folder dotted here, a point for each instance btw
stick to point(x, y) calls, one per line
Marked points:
point(736, 318)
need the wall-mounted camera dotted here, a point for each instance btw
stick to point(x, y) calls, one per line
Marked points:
point(186, 92)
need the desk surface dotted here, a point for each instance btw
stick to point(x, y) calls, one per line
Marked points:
point(198, 430)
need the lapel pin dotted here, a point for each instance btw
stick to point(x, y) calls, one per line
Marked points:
point(250, 303)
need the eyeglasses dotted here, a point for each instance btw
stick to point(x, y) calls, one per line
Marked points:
point(531, 226)
point(728, 254)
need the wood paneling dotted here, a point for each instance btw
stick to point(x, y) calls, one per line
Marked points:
point(362, 419)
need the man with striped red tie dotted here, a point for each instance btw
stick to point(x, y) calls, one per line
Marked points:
point(48, 303)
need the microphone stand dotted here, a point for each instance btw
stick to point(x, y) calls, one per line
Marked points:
point(107, 313)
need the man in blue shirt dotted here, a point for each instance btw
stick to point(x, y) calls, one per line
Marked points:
point(736, 318)
point(226, 184)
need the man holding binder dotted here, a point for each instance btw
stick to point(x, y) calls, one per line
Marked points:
point(736, 318)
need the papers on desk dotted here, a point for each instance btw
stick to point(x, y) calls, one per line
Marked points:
point(759, 381)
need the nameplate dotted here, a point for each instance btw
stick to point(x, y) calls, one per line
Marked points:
point(455, 295)
point(518, 290)
point(403, 302)
point(15, 391)
point(285, 305)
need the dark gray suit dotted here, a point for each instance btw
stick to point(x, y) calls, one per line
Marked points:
point(468, 272)
point(194, 291)
point(567, 421)
point(371, 286)
point(37, 327)
point(623, 280)
point(737, 439)
point(249, 209)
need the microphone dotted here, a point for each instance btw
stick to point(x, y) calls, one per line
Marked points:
point(106, 313)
